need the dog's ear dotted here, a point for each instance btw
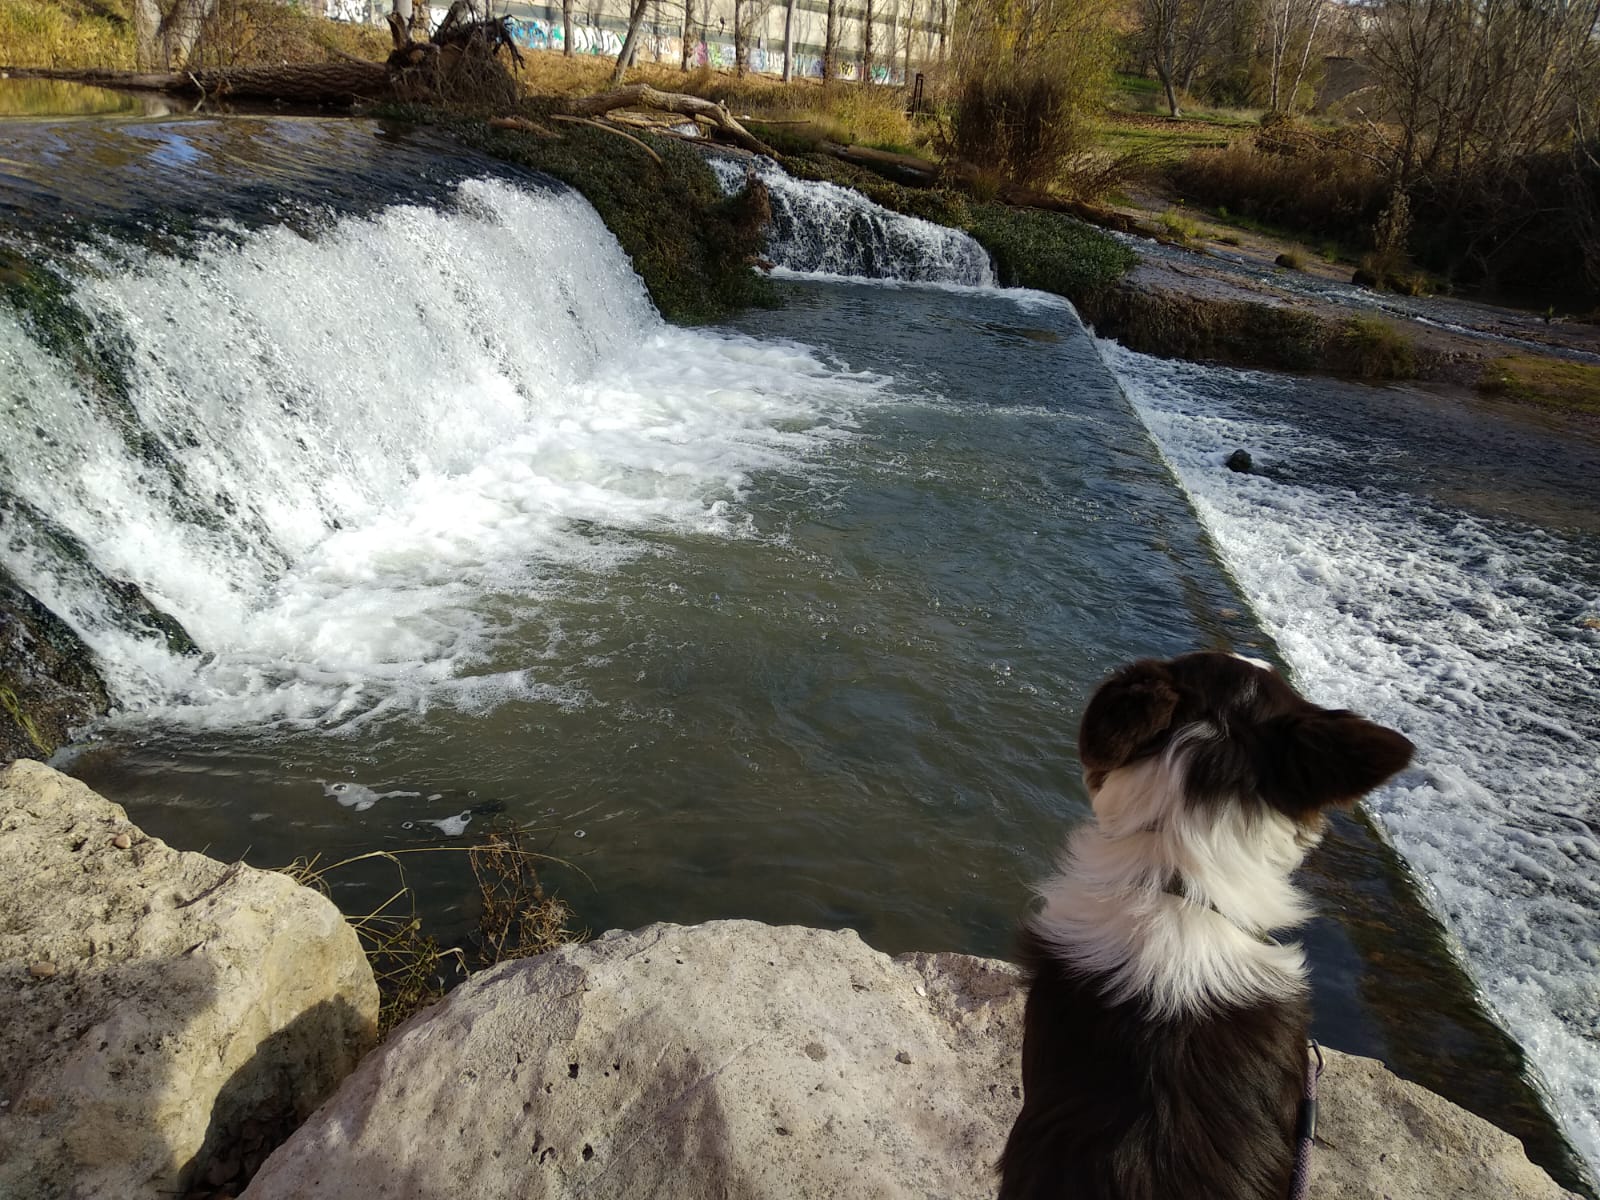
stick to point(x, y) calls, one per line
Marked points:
point(1126, 712)
point(1309, 760)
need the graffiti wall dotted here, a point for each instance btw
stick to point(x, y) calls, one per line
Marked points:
point(602, 35)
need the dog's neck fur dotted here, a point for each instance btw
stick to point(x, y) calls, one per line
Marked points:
point(1113, 909)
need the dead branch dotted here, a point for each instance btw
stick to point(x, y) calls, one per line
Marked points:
point(341, 83)
point(609, 129)
point(640, 95)
point(523, 125)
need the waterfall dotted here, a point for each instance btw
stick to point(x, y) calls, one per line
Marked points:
point(318, 454)
point(819, 228)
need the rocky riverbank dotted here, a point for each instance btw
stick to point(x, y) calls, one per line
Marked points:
point(161, 1010)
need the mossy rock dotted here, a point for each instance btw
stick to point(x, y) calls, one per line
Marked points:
point(1180, 325)
point(48, 681)
point(1031, 247)
point(691, 245)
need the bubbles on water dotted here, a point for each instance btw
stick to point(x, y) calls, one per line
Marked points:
point(358, 796)
point(452, 826)
point(1452, 627)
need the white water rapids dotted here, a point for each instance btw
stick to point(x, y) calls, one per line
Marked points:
point(369, 431)
point(332, 449)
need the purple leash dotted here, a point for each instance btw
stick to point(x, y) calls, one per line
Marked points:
point(1305, 1129)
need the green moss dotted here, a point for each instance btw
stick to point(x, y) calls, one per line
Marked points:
point(1049, 251)
point(692, 246)
point(1179, 325)
point(1369, 348)
point(48, 681)
point(1031, 247)
point(1551, 382)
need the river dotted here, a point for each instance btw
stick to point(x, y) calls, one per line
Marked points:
point(790, 619)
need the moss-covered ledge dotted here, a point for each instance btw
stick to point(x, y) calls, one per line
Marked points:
point(693, 246)
point(48, 682)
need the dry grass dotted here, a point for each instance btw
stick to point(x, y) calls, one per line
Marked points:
point(65, 34)
point(256, 32)
point(1328, 191)
point(99, 34)
point(1551, 382)
point(413, 970)
point(803, 110)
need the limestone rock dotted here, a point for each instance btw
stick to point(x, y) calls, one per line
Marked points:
point(732, 1059)
point(152, 1002)
point(1379, 1136)
point(735, 1059)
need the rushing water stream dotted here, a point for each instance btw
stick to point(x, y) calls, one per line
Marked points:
point(789, 620)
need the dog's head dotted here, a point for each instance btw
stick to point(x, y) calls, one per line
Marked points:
point(1234, 731)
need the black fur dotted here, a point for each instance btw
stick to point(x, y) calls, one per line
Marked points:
point(1120, 1105)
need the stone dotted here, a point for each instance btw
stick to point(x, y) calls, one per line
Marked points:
point(1240, 461)
point(1381, 1136)
point(732, 1059)
point(187, 996)
point(48, 682)
point(735, 1059)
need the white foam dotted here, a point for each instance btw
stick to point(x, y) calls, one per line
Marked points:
point(1466, 634)
point(358, 795)
point(827, 230)
point(371, 430)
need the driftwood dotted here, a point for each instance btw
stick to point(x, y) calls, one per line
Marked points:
point(640, 95)
point(612, 129)
point(523, 125)
point(338, 83)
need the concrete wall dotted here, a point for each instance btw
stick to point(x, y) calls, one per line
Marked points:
point(600, 25)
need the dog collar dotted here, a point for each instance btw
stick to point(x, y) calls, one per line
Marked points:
point(1175, 887)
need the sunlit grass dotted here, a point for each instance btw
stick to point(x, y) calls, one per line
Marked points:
point(1552, 382)
point(65, 34)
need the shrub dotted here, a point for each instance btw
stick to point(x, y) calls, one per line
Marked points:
point(1369, 348)
point(1023, 128)
point(1316, 189)
point(1292, 260)
point(1178, 226)
point(1049, 251)
point(1023, 84)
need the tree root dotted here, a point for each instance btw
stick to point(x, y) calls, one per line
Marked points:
point(641, 95)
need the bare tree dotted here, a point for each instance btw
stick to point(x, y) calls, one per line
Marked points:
point(688, 33)
point(1160, 20)
point(866, 44)
point(830, 43)
point(167, 39)
point(636, 13)
point(1290, 24)
point(788, 41)
point(1470, 82)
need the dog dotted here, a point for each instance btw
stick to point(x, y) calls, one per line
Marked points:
point(1164, 1047)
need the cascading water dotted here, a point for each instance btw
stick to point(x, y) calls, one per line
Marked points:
point(1479, 636)
point(455, 521)
point(818, 228)
point(317, 454)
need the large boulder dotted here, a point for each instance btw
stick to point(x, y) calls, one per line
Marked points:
point(158, 1010)
point(739, 1060)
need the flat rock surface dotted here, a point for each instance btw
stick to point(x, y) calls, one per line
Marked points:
point(736, 1059)
point(152, 1002)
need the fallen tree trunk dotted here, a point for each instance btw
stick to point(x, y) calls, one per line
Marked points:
point(640, 95)
point(339, 83)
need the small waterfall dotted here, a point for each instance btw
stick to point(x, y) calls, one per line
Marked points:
point(828, 230)
point(318, 454)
